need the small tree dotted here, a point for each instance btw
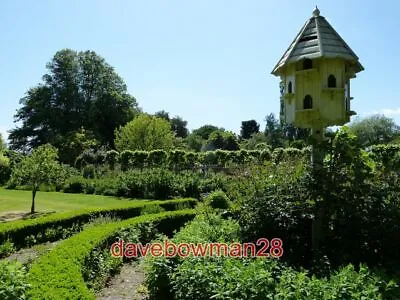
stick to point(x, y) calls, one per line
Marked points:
point(145, 132)
point(41, 167)
point(376, 129)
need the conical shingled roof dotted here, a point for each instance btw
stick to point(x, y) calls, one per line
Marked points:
point(316, 39)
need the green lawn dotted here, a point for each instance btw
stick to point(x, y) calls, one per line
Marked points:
point(13, 200)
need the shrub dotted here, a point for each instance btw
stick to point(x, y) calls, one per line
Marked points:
point(241, 157)
point(233, 278)
point(156, 158)
point(218, 199)
point(191, 158)
point(6, 248)
point(278, 155)
point(177, 159)
point(112, 158)
point(86, 157)
point(74, 185)
point(275, 201)
point(265, 155)
point(139, 159)
point(221, 157)
point(126, 159)
point(14, 280)
point(160, 184)
point(89, 171)
point(203, 229)
point(209, 158)
point(98, 266)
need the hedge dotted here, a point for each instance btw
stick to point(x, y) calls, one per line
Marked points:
point(58, 274)
point(179, 159)
point(17, 231)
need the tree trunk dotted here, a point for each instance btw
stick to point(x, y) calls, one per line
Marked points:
point(33, 200)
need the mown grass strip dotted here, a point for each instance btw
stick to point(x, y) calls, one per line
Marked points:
point(58, 274)
point(16, 231)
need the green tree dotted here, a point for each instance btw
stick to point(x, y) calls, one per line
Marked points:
point(215, 141)
point(376, 129)
point(145, 132)
point(197, 140)
point(179, 126)
point(292, 133)
point(74, 144)
point(249, 128)
point(194, 142)
point(273, 131)
point(41, 167)
point(224, 140)
point(163, 115)
point(205, 131)
point(256, 139)
point(80, 90)
point(230, 141)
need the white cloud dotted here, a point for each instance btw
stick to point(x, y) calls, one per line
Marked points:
point(386, 112)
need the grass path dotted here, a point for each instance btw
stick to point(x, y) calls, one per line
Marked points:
point(20, 201)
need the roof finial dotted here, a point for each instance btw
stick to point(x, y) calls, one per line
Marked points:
point(315, 12)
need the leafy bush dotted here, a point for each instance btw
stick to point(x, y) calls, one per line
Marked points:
point(276, 202)
point(177, 159)
point(265, 155)
point(233, 278)
point(86, 157)
point(191, 159)
point(89, 171)
point(139, 159)
point(203, 229)
point(160, 184)
point(98, 266)
point(111, 159)
point(14, 280)
point(6, 248)
point(74, 185)
point(209, 158)
point(156, 158)
point(218, 199)
point(126, 159)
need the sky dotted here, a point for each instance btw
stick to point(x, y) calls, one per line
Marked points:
point(207, 61)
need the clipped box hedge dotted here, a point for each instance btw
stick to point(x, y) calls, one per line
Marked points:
point(17, 231)
point(58, 274)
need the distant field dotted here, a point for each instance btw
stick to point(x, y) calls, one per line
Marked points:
point(12, 200)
